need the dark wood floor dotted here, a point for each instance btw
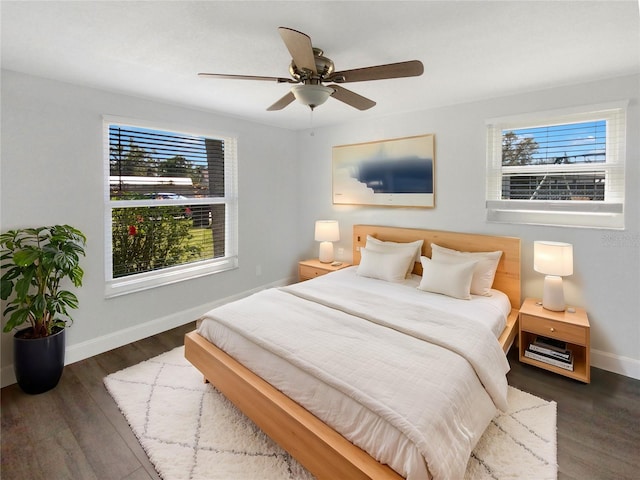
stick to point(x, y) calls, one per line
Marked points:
point(77, 432)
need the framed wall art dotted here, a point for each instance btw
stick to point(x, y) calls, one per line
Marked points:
point(398, 172)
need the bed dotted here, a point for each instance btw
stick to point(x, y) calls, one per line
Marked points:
point(320, 448)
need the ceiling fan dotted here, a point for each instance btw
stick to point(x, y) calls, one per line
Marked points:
point(309, 69)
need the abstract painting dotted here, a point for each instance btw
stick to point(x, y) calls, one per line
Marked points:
point(397, 172)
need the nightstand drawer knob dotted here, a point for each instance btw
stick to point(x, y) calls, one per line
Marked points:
point(552, 329)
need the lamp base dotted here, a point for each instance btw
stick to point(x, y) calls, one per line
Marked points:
point(553, 294)
point(326, 252)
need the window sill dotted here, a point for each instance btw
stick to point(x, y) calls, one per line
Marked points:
point(146, 281)
point(579, 214)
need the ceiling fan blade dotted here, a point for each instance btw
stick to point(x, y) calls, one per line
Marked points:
point(300, 48)
point(247, 77)
point(412, 68)
point(283, 102)
point(351, 98)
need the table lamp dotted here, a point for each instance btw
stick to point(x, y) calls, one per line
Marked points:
point(327, 231)
point(555, 260)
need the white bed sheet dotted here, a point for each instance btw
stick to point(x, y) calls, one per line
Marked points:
point(355, 421)
point(491, 311)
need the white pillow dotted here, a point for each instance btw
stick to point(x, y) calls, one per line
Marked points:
point(484, 272)
point(452, 279)
point(389, 266)
point(381, 246)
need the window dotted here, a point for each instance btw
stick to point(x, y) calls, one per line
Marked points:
point(171, 205)
point(558, 168)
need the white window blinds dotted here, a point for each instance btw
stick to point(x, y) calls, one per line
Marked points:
point(558, 168)
point(171, 205)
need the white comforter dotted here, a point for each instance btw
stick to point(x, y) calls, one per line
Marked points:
point(428, 372)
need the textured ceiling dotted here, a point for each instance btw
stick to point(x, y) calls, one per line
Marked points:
point(471, 50)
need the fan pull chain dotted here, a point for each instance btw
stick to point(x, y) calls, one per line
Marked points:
point(311, 123)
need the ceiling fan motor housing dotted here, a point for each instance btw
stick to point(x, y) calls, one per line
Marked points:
point(324, 68)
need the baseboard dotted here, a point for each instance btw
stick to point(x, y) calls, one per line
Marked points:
point(629, 367)
point(80, 351)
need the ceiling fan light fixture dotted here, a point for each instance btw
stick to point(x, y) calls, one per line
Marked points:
point(312, 95)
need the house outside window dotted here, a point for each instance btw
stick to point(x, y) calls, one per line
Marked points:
point(558, 168)
point(170, 203)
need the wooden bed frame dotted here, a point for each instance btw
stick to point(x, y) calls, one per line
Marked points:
point(323, 451)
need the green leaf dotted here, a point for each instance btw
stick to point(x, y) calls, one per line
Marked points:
point(6, 287)
point(11, 273)
point(10, 308)
point(76, 275)
point(24, 283)
point(68, 299)
point(39, 305)
point(24, 258)
point(16, 319)
point(59, 323)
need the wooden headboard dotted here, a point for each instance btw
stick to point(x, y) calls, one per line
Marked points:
point(507, 277)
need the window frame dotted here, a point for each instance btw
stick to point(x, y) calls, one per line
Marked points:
point(178, 273)
point(607, 214)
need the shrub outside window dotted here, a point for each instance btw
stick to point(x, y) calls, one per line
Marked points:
point(558, 168)
point(171, 205)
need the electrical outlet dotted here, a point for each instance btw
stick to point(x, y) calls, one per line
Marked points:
point(340, 252)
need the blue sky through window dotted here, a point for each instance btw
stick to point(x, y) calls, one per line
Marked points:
point(162, 144)
point(583, 142)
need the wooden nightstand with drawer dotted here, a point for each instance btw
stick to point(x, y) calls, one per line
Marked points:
point(308, 269)
point(571, 327)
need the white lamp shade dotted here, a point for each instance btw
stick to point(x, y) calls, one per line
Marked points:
point(312, 95)
point(553, 258)
point(327, 231)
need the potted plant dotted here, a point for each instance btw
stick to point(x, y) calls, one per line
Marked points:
point(35, 263)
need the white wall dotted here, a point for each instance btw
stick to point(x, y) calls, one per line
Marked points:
point(606, 278)
point(52, 172)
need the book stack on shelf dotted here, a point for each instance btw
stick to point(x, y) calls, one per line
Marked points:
point(551, 351)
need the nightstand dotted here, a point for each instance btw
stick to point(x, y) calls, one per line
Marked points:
point(308, 269)
point(570, 327)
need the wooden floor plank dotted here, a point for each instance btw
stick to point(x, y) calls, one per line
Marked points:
point(141, 474)
point(61, 457)
point(19, 458)
point(92, 430)
point(37, 417)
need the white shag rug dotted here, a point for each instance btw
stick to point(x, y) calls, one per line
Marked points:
point(192, 432)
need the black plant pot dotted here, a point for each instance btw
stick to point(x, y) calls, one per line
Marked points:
point(38, 362)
